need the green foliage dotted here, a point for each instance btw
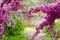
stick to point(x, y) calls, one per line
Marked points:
point(17, 27)
point(18, 37)
point(48, 34)
point(57, 27)
point(48, 38)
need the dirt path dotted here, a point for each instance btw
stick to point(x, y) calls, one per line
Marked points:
point(30, 32)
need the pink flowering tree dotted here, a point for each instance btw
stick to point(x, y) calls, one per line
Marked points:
point(6, 6)
point(51, 10)
point(51, 13)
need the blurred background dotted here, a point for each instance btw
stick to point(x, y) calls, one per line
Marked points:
point(23, 29)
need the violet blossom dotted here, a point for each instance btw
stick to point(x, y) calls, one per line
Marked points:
point(5, 7)
point(52, 12)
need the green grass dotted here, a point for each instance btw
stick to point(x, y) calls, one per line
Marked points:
point(19, 37)
point(48, 38)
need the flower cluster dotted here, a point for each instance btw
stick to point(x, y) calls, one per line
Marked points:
point(52, 12)
point(5, 7)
